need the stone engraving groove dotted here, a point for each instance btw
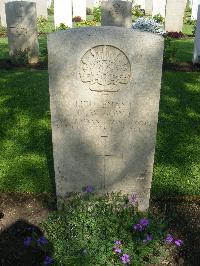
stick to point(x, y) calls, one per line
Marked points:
point(105, 68)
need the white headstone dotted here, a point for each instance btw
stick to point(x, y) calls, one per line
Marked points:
point(79, 9)
point(196, 54)
point(140, 3)
point(159, 7)
point(104, 115)
point(174, 15)
point(148, 7)
point(2, 13)
point(195, 4)
point(22, 29)
point(63, 13)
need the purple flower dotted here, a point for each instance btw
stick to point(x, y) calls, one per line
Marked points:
point(117, 250)
point(125, 259)
point(133, 199)
point(42, 240)
point(118, 242)
point(48, 260)
point(89, 189)
point(144, 222)
point(169, 239)
point(138, 227)
point(148, 238)
point(178, 242)
point(27, 241)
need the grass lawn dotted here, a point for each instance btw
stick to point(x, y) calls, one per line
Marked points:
point(26, 151)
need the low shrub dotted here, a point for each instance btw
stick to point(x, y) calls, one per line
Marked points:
point(77, 19)
point(106, 230)
point(41, 24)
point(148, 24)
point(174, 35)
point(97, 14)
point(86, 23)
point(159, 19)
point(62, 27)
point(137, 11)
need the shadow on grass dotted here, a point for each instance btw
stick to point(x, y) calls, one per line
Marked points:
point(13, 250)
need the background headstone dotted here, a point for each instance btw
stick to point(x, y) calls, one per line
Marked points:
point(104, 115)
point(2, 13)
point(79, 8)
point(63, 12)
point(148, 7)
point(159, 7)
point(22, 29)
point(196, 54)
point(116, 13)
point(174, 15)
point(140, 3)
point(195, 4)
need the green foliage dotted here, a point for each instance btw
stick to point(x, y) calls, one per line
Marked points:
point(158, 18)
point(169, 52)
point(42, 24)
point(62, 26)
point(86, 231)
point(97, 14)
point(86, 23)
point(137, 12)
point(187, 15)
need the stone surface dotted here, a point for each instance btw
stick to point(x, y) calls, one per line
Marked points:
point(196, 54)
point(63, 12)
point(22, 29)
point(116, 13)
point(2, 13)
point(148, 7)
point(104, 96)
point(79, 8)
point(195, 4)
point(174, 15)
point(159, 7)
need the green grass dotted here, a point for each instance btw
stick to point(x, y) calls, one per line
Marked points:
point(184, 49)
point(26, 151)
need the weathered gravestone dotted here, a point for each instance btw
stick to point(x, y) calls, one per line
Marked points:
point(174, 15)
point(116, 13)
point(63, 13)
point(79, 8)
point(22, 29)
point(104, 97)
point(159, 7)
point(148, 7)
point(196, 54)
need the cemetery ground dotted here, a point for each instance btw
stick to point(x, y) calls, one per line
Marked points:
point(27, 176)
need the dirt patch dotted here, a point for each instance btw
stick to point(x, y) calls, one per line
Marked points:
point(20, 211)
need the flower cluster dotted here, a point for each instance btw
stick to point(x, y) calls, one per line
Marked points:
point(149, 25)
point(141, 226)
point(133, 200)
point(171, 240)
point(117, 249)
point(40, 241)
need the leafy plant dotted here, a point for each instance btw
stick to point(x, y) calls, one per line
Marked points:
point(158, 18)
point(41, 24)
point(97, 14)
point(174, 35)
point(62, 26)
point(137, 12)
point(105, 230)
point(86, 23)
point(148, 24)
point(169, 51)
